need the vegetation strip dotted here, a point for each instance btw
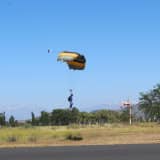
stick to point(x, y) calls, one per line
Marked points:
point(80, 135)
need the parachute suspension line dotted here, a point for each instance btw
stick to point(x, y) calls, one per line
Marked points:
point(71, 86)
point(75, 62)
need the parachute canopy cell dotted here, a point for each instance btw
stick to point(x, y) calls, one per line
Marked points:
point(74, 60)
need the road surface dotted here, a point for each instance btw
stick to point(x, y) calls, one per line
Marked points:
point(115, 152)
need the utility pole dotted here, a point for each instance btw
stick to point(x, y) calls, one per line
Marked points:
point(128, 104)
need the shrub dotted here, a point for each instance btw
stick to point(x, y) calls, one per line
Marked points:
point(74, 137)
point(11, 138)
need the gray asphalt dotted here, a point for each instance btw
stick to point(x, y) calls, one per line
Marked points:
point(115, 152)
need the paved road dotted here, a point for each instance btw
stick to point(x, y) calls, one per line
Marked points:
point(115, 152)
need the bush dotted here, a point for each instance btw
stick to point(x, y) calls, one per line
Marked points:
point(74, 137)
point(11, 138)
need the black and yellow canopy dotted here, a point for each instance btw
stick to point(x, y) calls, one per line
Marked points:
point(74, 60)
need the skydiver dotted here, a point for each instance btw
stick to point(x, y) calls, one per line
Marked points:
point(70, 99)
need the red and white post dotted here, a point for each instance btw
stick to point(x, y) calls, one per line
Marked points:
point(128, 104)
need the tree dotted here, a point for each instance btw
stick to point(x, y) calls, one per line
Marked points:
point(101, 116)
point(33, 121)
point(106, 116)
point(84, 118)
point(150, 104)
point(61, 117)
point(74, 115)
point(124, 116)
point(65, 116)
point(44, 118)
point(12, 121)
point(2, 119)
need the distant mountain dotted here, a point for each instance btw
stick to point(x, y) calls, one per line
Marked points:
point(101, 106)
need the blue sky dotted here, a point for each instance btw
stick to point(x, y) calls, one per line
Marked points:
point(120, 40)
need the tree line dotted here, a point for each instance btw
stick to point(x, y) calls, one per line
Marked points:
point(67, 116)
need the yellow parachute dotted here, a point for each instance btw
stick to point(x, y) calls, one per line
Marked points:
point(74, 60)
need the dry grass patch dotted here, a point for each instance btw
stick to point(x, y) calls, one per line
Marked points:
point(80, 135)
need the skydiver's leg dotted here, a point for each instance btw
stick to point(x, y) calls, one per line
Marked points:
point(70, 106)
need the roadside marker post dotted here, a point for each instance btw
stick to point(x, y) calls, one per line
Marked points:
point(128, 104)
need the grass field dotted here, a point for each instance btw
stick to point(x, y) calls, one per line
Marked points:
point(80, 135)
